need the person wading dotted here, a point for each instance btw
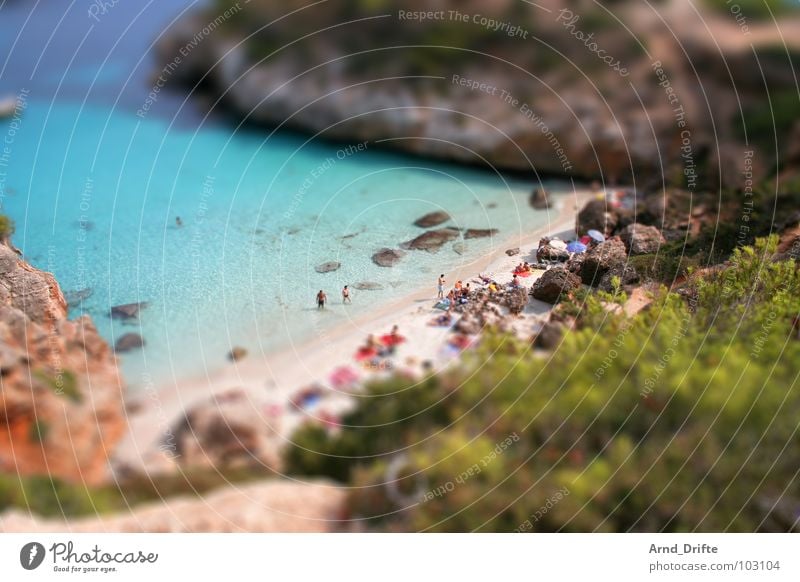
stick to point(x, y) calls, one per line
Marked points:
point(321, 299)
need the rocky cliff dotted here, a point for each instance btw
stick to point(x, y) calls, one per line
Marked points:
point(61, 409)
point(542, 100)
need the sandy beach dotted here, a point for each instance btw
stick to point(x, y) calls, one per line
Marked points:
point(270, 384)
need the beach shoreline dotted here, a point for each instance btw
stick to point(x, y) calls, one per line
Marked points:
point(271, 381)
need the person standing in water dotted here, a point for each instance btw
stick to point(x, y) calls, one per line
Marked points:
point(321, 299)
point(346, 295)
point(441, 287)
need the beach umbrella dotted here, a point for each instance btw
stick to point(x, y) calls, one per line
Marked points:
point(557, 244)
point(596, 235)
point(576, 247)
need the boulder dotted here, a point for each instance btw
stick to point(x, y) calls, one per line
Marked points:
point(549, 337)
point(227, 432)
point(432, 240)
point(367, 286)
point(547, 252)
point(641, 239)
point(597, 215)
point(128, 342)
point(627, 276)
point(516, 300)
point(480, 232)
point(538, 199)
point(328, 267)
point(609, 256)
point(553, 283)
point(386, 257)
point(432, 219)
point(127, 310)
point(512, 252)
point(237, 353)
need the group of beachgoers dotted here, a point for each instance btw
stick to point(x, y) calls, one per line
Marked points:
point(377, 348)
point(322, 297)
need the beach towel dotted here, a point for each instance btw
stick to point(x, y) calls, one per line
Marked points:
point(389, 340)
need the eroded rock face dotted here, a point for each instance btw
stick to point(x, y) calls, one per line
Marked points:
point(432, 219)
point(386, 257)
point(49, 421)
point(641, 239)
point(554, 283)
point(432, 240)
point(608, 257)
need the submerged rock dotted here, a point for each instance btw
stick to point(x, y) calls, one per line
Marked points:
point(327, 267)
point(128, 342)
point(387, 257)
point(459, 248)
point(237, 353)
point(75, 298)
point(432, 219)
point(432, 240)
point(127, 310)
point(480, 232)
point(367, 286)
point(554, 283)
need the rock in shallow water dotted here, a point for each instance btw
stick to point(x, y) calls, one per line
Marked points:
point(127, 310)
point(386, 257)
point(128, 342)
point(480, 232)
point(432, 240)
point(367, 286)
point(327, 267)
point(432, 219)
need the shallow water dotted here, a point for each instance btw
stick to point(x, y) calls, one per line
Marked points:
point(95, 191)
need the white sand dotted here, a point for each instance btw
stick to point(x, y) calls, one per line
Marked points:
point(270, 382)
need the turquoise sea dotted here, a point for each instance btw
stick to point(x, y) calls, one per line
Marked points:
point(95, 191)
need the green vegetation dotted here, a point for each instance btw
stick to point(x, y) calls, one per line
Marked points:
point(52, 497)
point(6, 227)
point(65, 383)
point(681, 418)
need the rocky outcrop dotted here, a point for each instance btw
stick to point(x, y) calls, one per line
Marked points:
point(432, 219)
point(596, 215)
point(549, 252)
point(386, 257)
point(554, 283)
point(607, 257)
point(50, 423)
point(641, 239)
point(266, 506)
point(431, 241)
point(328, 267)
point(227, 432)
